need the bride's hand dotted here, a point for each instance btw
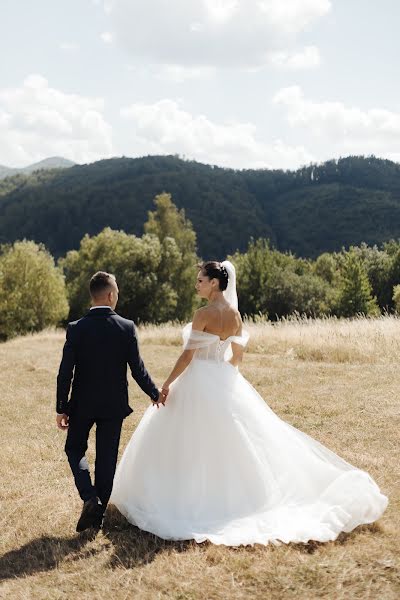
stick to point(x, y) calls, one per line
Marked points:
point(165, 390)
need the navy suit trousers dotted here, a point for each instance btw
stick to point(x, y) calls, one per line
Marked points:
point(108, 433)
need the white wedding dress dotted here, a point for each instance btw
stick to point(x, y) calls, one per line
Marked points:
point(216, 463)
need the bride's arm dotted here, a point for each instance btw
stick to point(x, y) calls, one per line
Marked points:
point(198, 324)
point(237, 349)
point(183, 361)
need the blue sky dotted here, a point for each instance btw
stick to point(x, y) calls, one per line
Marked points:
point(238, 83)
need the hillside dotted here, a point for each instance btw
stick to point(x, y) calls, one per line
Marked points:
point(55, 162)
point(308, 211)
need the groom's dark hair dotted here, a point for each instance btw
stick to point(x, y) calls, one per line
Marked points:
point(100, 283)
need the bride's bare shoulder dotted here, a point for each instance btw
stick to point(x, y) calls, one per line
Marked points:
point(238, 320)
point(208, 318)
point(200, 317)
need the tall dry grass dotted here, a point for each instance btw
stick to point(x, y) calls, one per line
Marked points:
point(326, 339)
point(336, 380)
point(330, 339)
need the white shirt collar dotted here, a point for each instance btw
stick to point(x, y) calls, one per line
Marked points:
point(93, 307)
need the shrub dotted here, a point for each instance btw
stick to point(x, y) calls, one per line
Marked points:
point(32, 290)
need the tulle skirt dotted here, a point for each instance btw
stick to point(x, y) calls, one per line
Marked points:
point(216, 463)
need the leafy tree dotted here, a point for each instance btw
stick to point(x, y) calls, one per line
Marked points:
point(178, 242)
point(253, 274)
point(277, 284)
point(396, 298)
point(394, 274)
point(136, 263)
point(326, 267)
point(355, 292)
point(32, 290)
point(290, 293)
point(378, 266)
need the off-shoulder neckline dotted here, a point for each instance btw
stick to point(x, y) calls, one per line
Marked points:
point(213, 334)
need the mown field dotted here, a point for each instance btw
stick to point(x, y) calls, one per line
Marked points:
point(336, 380)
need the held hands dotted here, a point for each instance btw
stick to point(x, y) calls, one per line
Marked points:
point(62, 421)
point(162, 396)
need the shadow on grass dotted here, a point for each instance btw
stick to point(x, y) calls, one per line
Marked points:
point(133, 547)
point(43, 554)
point(130, 548)
point(342, 539)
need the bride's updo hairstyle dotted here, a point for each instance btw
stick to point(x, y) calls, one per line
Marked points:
point(214, 270)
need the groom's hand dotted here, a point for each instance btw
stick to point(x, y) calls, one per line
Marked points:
point(62, 421)
point(160, 400)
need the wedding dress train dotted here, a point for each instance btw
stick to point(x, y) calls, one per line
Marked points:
point(216, 463)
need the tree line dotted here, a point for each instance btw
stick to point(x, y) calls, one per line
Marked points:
point(156, 274)
point(315, 209)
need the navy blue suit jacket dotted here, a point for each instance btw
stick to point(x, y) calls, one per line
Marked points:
point(97, 351)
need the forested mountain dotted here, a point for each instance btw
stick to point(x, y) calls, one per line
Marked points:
point(55, 162)
point(308, 211)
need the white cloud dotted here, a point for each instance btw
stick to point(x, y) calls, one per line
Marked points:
point(307, 58)
point(37, 121)
point(180, 74)
point(165, 128)
point(69, 46)
point(107, 37)
point(345, 129)
point(292, 16)
point(221, 11)
point(216, 33)
point(172, 73)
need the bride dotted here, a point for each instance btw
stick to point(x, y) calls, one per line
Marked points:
point(216, 463)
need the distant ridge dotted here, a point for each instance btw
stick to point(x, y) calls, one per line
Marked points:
point(54, 162)
point(315, 209)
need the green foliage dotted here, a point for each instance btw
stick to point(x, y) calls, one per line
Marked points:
point(355, 291)
point(394, 276)
point(178, 242)
point(155, 272)
point(316, 209)
point(276, 284)
point(396, 298)
point(378, 266)
point(32, 290)
point(156, 277)
point(326, 267)
point(358, 281)
point(137, 264)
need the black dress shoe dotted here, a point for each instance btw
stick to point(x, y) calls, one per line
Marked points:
point(98, 523)
point(91, 515)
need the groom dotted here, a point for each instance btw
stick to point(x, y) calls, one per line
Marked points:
point(96, 353)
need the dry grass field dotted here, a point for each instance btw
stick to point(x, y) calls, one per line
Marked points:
point(338, 381)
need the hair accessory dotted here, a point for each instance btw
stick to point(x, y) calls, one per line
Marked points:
point(224, 271)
